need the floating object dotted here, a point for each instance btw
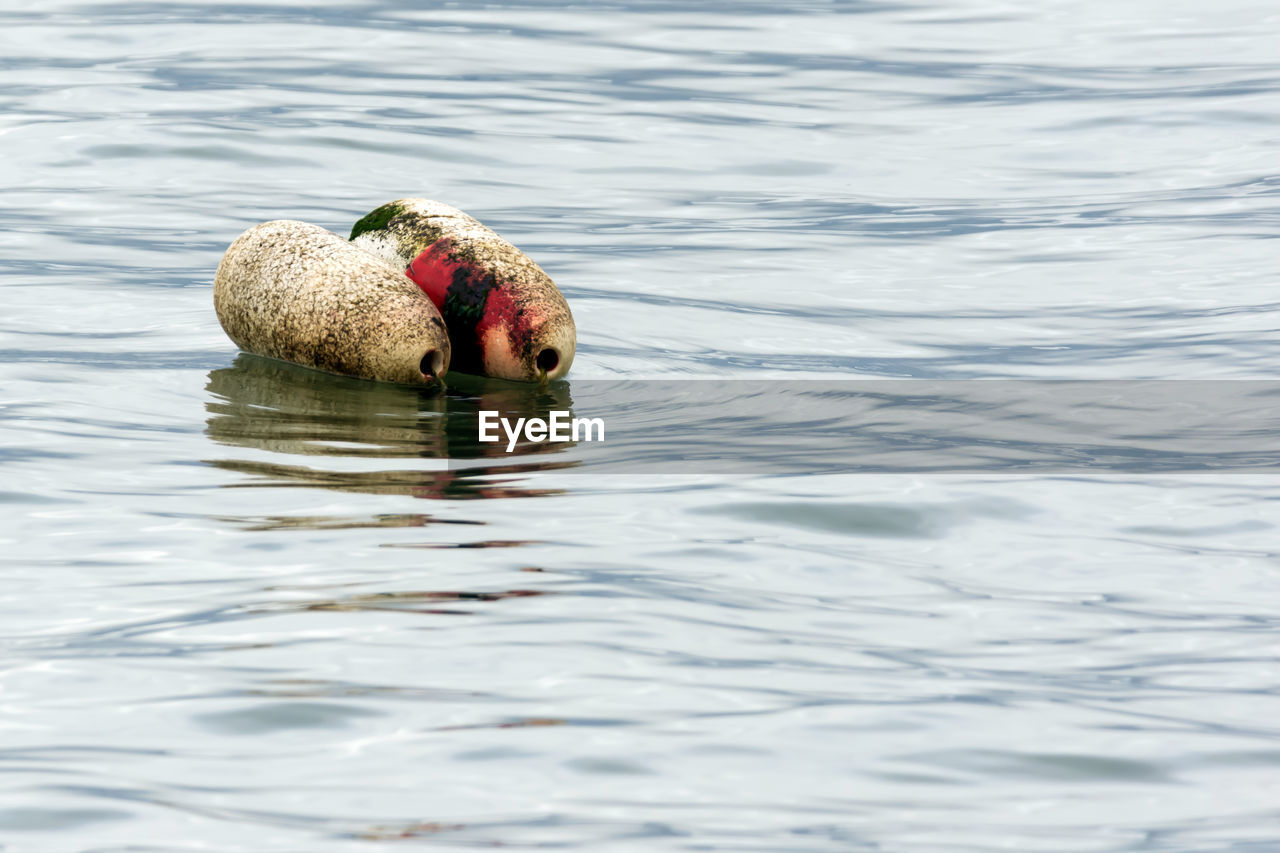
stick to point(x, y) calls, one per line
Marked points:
point(505, 316)
point(297, 292)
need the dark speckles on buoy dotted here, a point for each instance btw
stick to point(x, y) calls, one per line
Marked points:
point(502, 311)
point(297, 292)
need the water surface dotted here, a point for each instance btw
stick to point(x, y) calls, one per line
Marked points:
point(247, 607)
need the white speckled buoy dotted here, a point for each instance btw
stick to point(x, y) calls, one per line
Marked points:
point(293, 291)
point(506, 317)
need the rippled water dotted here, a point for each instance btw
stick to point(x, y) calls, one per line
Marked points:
point(247, 607)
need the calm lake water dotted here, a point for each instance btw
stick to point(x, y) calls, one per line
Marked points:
point(255, 608)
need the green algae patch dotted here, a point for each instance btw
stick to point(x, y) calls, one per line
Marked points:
point(376, 220)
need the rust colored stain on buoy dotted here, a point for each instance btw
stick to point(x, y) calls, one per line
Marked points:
point(293, 291)
point(506, 317)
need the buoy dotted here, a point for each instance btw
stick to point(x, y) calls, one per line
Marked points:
point(506, 317)
point(293, 291)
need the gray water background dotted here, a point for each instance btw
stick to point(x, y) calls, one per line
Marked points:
point(250, 608)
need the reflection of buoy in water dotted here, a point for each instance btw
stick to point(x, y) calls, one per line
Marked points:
point(268, 404)
point(505, 316)
point(373, 438)
point(297, 292)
